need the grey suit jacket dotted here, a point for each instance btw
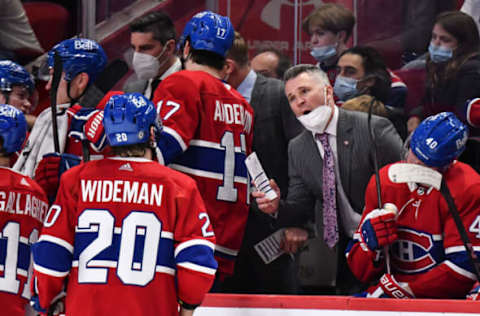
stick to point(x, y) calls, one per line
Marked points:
point(305, 200)
point(275, 125)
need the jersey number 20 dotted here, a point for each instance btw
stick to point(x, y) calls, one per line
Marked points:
point(136, 223)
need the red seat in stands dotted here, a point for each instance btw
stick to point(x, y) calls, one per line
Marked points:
point(49, 21)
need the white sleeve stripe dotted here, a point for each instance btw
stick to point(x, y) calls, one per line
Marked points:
point(398, 84)
point(212, 145)
point(50, 271)
point(454, 249)
point(175, 135)
point(57, 241)
point(167, 235)
point(196, 267)
point(193, 242)
point(459, 270)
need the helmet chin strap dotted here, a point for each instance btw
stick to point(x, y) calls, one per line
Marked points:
point(73, 100)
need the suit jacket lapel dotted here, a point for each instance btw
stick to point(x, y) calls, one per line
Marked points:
point(345, 142)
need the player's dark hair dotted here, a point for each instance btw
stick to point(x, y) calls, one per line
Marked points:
point(204, 57)
point(157, 22)
point(374, 66)
point(3, 152)
point(135, 150)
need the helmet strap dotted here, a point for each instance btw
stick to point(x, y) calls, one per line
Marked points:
point(73, 101)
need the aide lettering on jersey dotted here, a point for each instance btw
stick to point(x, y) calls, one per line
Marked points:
point(233, 114)
point(22, 204)
point(120, 191)
point(412, 252)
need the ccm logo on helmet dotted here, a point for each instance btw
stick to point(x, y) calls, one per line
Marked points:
point(84, 44)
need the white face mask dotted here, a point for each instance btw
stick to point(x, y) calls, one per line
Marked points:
point(146, 66)
point(317, 120)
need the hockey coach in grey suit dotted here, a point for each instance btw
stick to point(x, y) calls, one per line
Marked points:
point(310, 96)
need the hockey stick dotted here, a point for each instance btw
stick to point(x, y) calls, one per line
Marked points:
point(377, 175)
point(472, 257)
point(57, 75)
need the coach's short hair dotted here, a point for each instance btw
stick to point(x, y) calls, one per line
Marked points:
point(313, 70)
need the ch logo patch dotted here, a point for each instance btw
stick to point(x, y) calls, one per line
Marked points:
point(412, 252)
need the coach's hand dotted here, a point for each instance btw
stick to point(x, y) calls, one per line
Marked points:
point(264, 204)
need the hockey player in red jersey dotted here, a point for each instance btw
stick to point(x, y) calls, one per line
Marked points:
point(129, 230)
point(428, 259)
point(82, 60)
point(208, 130)
point(23, 206)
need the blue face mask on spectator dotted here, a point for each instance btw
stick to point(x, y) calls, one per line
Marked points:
point(322, 53)
point(439, 54)
point(345, 88)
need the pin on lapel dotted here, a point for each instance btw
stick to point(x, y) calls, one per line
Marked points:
point(346, 142)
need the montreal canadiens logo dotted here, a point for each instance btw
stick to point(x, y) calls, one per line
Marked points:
point(412, 251)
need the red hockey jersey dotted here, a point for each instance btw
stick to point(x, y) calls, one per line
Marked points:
point(208, 130)
point(131, 235)
point(23, 205)
point(429, 254)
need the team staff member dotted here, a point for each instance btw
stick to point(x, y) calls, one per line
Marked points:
point(23, 206)
point(209, 129)
point(329, 166)
point(428, 259)
point(126, 228)
point(153, 40)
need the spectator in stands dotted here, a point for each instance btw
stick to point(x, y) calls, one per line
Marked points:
point(16, 32)
point(330, 27)
point(362, 72)
point(270, 63)
point(153, 39)
point(274, 126)
point(427, 255)
point(329, 168)
point(453, 74)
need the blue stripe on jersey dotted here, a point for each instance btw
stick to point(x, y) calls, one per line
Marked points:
point(169, 147)
point(52, 256)
point(198, 254)
point(201, 158)
point(111, 253)
point(23, 260)
point(461, 259)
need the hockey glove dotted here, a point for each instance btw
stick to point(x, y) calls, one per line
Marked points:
point(474, 294)
point(95, 132)
point(394, 289)
point(379, 229)
point(49, 170)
